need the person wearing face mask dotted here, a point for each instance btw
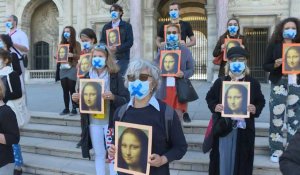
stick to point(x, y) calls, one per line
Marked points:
point(186, 28)
point(233, 154)
point(67, 72)
point(285, 89)
point(115, 94)
point(167, 91)
point(122, 52)
point(13, 88)
point(142, 80)
point(89, 39)
point(19, 38)
point(233, 32)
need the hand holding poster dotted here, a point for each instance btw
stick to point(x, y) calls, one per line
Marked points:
point(62, 53)
point(113, 37)
point(236, 99)
point(90, 100)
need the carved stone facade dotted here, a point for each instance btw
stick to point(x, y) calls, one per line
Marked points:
point(44, 20)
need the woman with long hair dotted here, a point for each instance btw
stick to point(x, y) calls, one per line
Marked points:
point(115, 94)
point(68, 71)
point(91, 97)
point(285, 89)
point(232, 32)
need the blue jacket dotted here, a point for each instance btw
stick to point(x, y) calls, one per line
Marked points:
point(123, 51)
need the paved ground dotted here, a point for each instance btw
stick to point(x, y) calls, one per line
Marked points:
point(48, 98)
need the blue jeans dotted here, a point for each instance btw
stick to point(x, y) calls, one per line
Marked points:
point(18, 155)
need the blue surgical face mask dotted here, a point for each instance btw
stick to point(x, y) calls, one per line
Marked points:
point(289, 33)
point(98, 62)
point(86, 45)
point(67, 35)
point(114, 15)
point(1, 44)
point(174, 14)
point(237, 68)
point(139, 89)
point(232, 29)
point(172, 37)
point(9, 25)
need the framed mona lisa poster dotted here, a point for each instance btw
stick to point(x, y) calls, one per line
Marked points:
point(291, 58)
point(90, 96)
point(133, 143)
point(235, 99)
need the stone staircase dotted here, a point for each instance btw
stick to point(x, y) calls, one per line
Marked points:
point(49, 147)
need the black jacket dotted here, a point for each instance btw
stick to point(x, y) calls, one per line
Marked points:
point(121, 97)
point(274, 51)
point(123, 51)
point(245, 138)
point(8, 127)
point(290, 159)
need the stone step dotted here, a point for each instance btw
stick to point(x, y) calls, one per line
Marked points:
point(195, 127)
point(192, 163)
point(199, 127)
point(197, 161)
point(71, 133)
point(50, 165)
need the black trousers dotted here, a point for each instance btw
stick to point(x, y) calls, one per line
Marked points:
point(68, 87)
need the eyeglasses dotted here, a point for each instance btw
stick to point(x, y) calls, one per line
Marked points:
point(171, 32)
point(142, 77)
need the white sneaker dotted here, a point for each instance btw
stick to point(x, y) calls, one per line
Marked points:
point(275, 156)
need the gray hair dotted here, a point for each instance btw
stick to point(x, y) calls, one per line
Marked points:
point(137, 65)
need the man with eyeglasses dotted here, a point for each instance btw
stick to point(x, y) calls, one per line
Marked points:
point(122, 52)
point(186, 28)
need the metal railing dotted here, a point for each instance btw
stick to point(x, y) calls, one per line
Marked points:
point(41, 74)
point(257, 40)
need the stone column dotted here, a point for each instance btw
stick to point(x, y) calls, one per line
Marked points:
point(68, 12)
point(216, 26)
point(149, 33)
point(81, 15)
point(294, 8)
point(221, 12)
point(136, 23)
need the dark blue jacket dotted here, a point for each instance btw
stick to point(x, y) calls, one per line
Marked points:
point(123, 51)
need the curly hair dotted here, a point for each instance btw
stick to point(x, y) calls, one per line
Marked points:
point(277, 34)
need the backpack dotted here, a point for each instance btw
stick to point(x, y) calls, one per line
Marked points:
point(169, 112)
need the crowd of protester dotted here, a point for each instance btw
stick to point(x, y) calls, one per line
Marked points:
point(135, 91)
